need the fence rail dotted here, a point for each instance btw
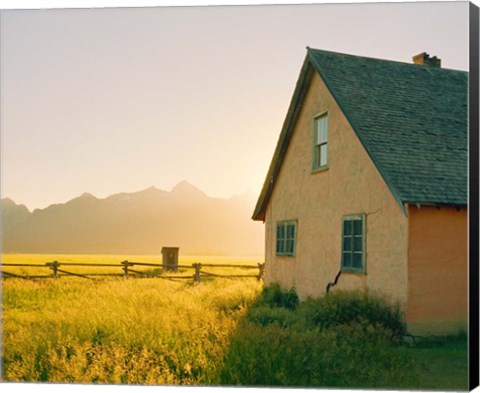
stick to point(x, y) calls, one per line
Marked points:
point(126, 267)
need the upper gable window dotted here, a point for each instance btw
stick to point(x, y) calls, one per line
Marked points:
point(320, 140)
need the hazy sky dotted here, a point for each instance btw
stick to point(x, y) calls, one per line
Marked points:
point(112, 100)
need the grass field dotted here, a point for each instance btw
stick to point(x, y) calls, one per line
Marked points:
point(119, 331)
point(154, 331)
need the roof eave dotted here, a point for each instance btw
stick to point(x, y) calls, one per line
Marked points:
point(437, 204)
point(283, 141)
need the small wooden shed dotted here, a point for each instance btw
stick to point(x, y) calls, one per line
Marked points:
point(170, 258)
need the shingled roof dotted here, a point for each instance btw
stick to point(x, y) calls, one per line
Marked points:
point(411, 119)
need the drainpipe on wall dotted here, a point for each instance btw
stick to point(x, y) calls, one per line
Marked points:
point(332, 284)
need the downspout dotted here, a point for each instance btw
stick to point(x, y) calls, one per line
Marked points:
point(332, 284)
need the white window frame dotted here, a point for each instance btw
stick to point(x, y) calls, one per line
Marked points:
point(347, 266)
point(320, 142)
point(284, 241)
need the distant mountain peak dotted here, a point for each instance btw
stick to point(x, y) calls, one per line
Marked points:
point(87, 195)
point(184, 187)
point(10, 203)
point(152, 190)
point(135, 223)
point(148, 193)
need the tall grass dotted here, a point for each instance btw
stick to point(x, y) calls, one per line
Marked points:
point(146, 331)
point(345, 339)
point(230, 332)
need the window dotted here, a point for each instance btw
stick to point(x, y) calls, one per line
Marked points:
point(286, 234)
point(320, 138)
point(353, 243)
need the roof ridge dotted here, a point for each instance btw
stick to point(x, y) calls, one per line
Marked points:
point(309, 49)
point(396, 110)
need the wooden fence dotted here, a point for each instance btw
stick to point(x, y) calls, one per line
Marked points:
point(129, 270)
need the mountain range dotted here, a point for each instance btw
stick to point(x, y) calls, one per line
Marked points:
point(136, 223)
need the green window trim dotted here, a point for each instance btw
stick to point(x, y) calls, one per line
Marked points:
point(320, 142)
point(286, 238)
point(353, 243)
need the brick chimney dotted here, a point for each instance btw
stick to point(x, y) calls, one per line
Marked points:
point(425, 59)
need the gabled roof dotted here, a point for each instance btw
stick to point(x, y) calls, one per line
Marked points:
point(411, 120)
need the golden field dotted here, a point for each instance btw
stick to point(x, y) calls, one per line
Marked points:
point(218, 332)
point(117, 330)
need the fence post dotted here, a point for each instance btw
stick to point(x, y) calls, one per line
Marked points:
point(125, 268)
point(196, 275)
point(261, 271)
point(55, 269)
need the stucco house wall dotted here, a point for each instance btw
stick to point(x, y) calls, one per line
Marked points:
point(437, 269)
point(350, 185)
point(397, 161)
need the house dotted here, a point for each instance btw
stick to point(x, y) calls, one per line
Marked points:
point(367, 187)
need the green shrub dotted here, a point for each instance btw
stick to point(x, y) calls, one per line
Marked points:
point(343, 339)
point(342, 307)
point(282, 308)
point(274, 296)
